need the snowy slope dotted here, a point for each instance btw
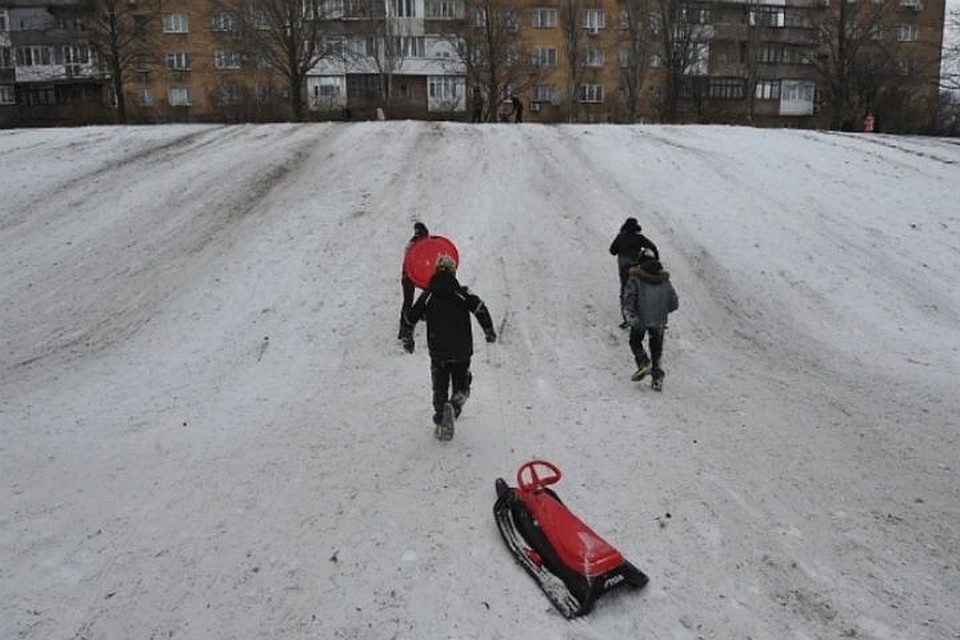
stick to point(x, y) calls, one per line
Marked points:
point(208, 430)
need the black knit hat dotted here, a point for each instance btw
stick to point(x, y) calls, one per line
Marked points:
point(420, 229)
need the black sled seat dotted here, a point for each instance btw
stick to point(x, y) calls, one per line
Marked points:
point(570, 562)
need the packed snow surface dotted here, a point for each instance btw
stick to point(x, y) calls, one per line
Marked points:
point(208, 429)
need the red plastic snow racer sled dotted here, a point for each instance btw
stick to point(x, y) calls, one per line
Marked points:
point(571, 563)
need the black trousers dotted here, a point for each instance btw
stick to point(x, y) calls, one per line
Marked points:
point(656, 346)
point(408, 290)
point(445, 374)
point(624, 276)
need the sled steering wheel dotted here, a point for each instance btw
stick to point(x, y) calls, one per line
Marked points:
point(528, 478)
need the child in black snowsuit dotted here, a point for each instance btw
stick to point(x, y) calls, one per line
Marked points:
point(647, 300)
point(630, 246)
point(447, 305)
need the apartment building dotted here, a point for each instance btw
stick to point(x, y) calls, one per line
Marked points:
point(191, 64)
point(396, 55)
point(48, 74)
point(793, 63)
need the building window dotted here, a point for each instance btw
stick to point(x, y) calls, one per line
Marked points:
point(224, 22)
point(405, 8)
point(767, 16)
point(444, 9)
point(229, 95)
point(410, 47)
point(593, 57)
point(727, 88)
point(178, 61)
point(265, 94)
point(545, 18)
point(327, 88)
point(771, 53)
point(145, 97)
point(594, 19)
point(226, 59)
point(141, 24)
point(907, 33)
point(33, 56)
point(144, 63)
point(7, 95)
point(4, 20)
point(591, 93)
point(689, 15)
point(6, 58)
point(444, 88)
point(179, 97)
point(543, 93)
point(38, 96)
point(176, 23)
point(904, 66)
point(72, 54)
point(767, 90)
point(544, 56)
point(796, 98)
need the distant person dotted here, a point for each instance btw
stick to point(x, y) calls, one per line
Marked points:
point(505, 111)
point(420, 232)
point(380, 114)
point(446, 305)
point(648, 299)
point(517, 112)
point(477, 105)
point(629, 246)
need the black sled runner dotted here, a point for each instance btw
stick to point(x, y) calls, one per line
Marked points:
point(569, 561)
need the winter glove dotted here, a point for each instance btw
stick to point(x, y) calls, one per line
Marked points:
point(491, 335)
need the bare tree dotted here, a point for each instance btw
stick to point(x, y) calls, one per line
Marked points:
point(119, 37)
point(492, 53)
point(286, 34)
point(854, 60)
point(634, 45)
point(381, 46)
point(950, 77)
point(680, 44)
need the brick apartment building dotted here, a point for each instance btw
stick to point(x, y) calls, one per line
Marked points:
point(802, 63)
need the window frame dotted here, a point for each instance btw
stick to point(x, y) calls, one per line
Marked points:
point(590, 93)
point(544, 18)
point(186, 92)
point(180, 60)
point(176, 23)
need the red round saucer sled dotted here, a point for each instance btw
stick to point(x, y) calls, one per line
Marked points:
point(419, 262)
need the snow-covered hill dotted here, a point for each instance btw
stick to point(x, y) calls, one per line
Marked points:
point(209, 431)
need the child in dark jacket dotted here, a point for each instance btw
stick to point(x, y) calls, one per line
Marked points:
point(630, 246)
point(420, 232)
point(446, 305)
point(648, 299)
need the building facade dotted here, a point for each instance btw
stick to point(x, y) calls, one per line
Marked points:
point(793, 63)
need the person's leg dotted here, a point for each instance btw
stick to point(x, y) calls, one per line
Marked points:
point(408, 289)
point(639, 355)
point(461, 378)
point(624, 275)
point(440, 379)
point(656, 350)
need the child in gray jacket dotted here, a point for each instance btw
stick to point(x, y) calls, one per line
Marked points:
point(647, 300)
